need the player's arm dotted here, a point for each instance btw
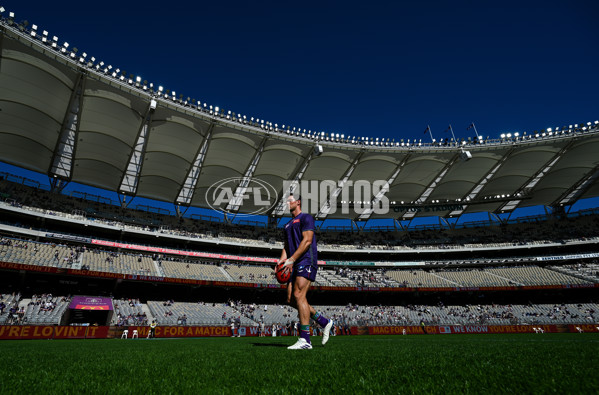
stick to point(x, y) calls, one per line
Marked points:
point(283, 257)
point(307, 237)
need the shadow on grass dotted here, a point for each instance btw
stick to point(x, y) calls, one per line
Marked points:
point(270, 345)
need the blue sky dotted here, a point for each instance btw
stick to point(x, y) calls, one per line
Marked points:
point(380, 69)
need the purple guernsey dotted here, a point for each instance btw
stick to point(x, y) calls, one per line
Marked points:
point(294, 236)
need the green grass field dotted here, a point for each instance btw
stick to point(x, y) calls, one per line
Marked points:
point(548, 363)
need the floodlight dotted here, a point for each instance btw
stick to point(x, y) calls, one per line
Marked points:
point(465, 156)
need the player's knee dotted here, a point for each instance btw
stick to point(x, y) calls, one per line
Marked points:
point(298, 295)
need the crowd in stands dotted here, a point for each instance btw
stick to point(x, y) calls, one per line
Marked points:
point(524, 231)
point(65, 255)
point(43, 308)
point(351, 315)
point(16, 310)
point(366, 277)
point(129, 312)
point(9, 309)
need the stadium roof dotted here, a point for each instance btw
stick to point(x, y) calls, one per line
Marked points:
point(66, 115)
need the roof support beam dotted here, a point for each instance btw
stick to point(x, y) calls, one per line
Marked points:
point(239, 194)
point(64, 151)
point(359, 228)
point(513, 204)
point(370, 210)
point(325, 209)
point(279, 209)
point(398, 224)
point(478, 187)
point(187, 190)
point(573, 193)
point(494, 216)
point(431, 187)
point(130, 178)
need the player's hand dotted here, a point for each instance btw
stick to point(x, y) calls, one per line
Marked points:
point(290, 262)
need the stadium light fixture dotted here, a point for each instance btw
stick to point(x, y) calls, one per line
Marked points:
point(2, 9)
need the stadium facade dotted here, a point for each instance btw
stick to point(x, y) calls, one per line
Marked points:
point(76, 119)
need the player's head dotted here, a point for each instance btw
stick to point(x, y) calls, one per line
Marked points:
point(294, 203)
